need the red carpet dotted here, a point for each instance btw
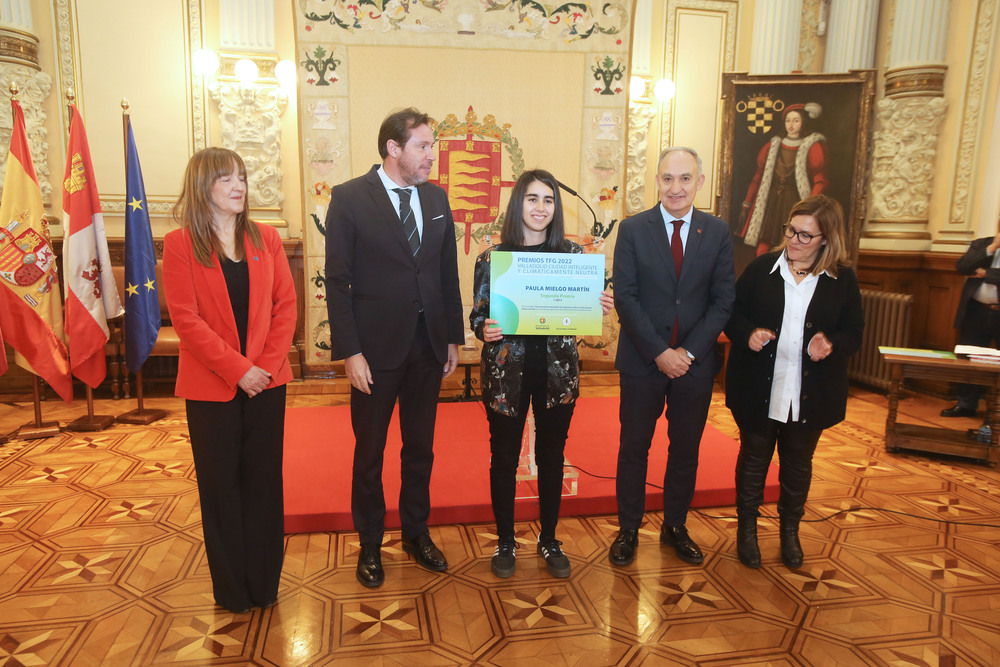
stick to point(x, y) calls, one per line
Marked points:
point(319, 447)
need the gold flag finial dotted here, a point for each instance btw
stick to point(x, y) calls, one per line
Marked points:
point(70, 97)
point(125, 105)
point(13, 89)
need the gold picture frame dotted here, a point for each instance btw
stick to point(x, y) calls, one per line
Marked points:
point(833, 154)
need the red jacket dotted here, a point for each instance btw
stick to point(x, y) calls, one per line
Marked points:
point(210, 364)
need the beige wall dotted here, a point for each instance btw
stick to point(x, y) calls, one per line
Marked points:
point(141, 49)
point(153, 72)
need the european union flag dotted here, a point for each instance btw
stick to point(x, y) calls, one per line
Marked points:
point(142, 305)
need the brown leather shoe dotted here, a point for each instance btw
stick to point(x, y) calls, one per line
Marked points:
point(426, 554)
point(622, 550)
point(370, 572)
point(678, 538)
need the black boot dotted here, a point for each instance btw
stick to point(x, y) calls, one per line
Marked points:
point(746, 541)
point(791, 549)
point(751, 471)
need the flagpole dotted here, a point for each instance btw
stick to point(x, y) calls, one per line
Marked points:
point(91, 422)
point(139, 416)
point(39, 429)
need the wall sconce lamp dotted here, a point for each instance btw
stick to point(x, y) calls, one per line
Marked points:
point(664, 90)
point(636, 87)
point(247, 71)
point(205, 62)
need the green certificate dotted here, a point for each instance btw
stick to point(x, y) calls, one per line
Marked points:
point(547, 293)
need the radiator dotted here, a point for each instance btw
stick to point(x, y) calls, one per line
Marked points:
point(887, 322)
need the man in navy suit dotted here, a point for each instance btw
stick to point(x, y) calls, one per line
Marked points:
point(395, 315)
point(674, 290)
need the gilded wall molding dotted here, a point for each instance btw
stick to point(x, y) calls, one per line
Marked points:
point(728, 7)
point(640, 117)
point(66, 57)
point(971, 128)
point(808, 39)
point(68, 74)
point(905, 147)
point(198, 114)
point(17, 46)
point(917, 81)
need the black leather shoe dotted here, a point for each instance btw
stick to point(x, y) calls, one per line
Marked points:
point(746, 542)
point(426, 554)
point(958, 411)
point(370, 572)
point(678, 538)
point(791, 549)
point(622, 550)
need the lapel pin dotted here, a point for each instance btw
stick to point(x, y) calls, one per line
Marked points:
point(255, 256)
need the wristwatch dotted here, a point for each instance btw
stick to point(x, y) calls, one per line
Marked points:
point(690, 356)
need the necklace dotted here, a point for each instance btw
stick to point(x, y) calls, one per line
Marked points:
point(797, 272)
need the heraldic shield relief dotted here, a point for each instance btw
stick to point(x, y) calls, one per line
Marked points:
point(473, 157)
point(27, 261)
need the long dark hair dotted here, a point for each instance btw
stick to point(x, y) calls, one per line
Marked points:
point(512, 231)
point(193, 209)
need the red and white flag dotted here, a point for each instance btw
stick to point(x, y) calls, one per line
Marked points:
point(30, 306)
point(91, 294)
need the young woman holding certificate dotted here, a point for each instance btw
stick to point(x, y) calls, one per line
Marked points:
point(516, 371)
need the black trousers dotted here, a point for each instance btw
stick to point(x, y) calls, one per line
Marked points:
point(796, 446)
point(980, 327)
point(237, 447)
point(687, 401)
point(551, 429)
point(416, 384)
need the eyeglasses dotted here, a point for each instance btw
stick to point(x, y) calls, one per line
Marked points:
point(805, 238)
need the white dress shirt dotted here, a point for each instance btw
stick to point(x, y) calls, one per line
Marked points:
point(389, 184)
point(668, 221)
point(786, 383)
point(987, 293)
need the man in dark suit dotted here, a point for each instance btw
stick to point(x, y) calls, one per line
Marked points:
point(978, 316)
point(396, 319)
point(674, 291)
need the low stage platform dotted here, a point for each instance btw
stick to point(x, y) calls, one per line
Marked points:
point(319, 446)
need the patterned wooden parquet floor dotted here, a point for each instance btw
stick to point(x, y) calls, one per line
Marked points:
point(102, 563)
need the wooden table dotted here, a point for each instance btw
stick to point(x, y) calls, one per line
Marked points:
point(942, 440)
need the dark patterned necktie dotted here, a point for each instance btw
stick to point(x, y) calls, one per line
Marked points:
point(677, 250)
point(409, 221)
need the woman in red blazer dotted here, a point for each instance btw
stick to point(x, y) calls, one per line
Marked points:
point(232, 302)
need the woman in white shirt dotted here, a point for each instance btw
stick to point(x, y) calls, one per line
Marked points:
point(796, 320)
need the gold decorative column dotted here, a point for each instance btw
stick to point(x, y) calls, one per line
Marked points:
point(908, 119)
point(19, 63)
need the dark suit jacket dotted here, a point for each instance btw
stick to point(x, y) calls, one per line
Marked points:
point(649, 296)
point(375, 287)
point(974, 258)
point(835, 309)
point(210, 364)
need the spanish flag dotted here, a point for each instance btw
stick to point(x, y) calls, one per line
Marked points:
point(30, 306)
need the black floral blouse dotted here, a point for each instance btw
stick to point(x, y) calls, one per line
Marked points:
point(503, 361)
